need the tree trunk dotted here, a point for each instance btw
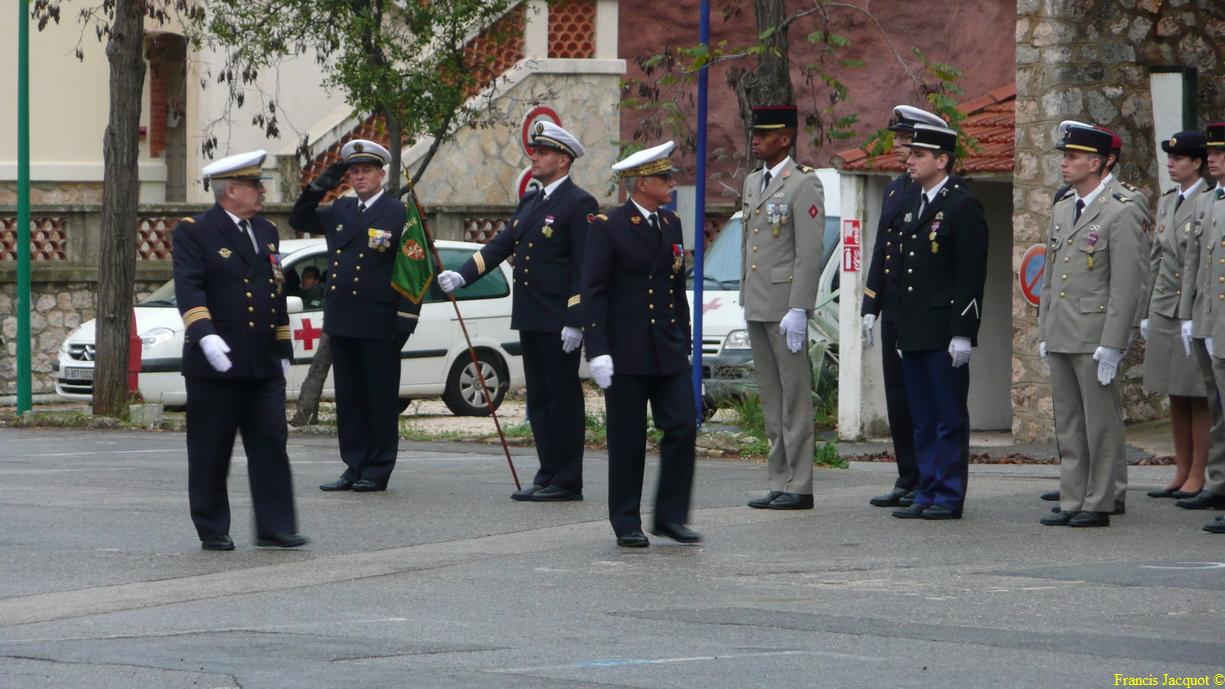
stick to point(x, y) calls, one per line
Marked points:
point(120, 196)
point(770, 82)
point(312, 385)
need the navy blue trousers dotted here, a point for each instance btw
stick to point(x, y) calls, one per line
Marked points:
point(898, 407)
point(555, 409)
point(939, 412)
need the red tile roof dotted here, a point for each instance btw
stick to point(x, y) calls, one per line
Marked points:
point(991, 119)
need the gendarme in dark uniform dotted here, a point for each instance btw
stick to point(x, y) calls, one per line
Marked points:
point(944, 267)
point(636, 321)
point(881, 297)
point(231, 293)
point(546, 237)
point(367, 322)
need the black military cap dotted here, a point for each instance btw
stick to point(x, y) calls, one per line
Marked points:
point(1216, 136)
point(775, 117)
point(1087, 139)
point(1193, 144)
point(933, 138)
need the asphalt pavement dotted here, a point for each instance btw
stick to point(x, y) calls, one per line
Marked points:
point(443, 581)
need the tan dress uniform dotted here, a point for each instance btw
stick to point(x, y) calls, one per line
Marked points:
point(1090, 291)
point(1167, 368)
point(1212, 323)
point(781, 252)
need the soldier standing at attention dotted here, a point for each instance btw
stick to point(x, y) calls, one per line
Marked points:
point(230, 291)
point(881, 296)
point(367, 322)
point(546, 236)
point(780, 253)
point(1166, 321)
point(1090, 292)
point(944, 264)
point(637, 320)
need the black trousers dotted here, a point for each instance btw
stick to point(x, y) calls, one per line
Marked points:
point(366, 378)
point(625, 402)
point(900, 425)
point(217, 409)
point(555, 409)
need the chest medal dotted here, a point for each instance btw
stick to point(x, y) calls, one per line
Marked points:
point(278, 275)
point(379, 240)
point(547, 230)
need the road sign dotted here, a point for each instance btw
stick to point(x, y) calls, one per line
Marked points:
point(526, 183)
point(535, 114)
point(1030, 274)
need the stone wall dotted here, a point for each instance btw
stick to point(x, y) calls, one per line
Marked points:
point(1091, 60)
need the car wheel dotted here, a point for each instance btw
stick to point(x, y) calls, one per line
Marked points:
point(463, 395)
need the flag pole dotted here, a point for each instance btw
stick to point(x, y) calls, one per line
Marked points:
point(429, 240)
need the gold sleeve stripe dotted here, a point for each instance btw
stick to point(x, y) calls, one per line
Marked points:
point(405, 314)
point(480, 263)
point(574, 301)
point(871, 293)
point(197, 314)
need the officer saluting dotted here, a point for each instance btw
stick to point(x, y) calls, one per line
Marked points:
point(367, 322)
point(881, 296)
point(230, 291)
point(943, 264)
point(1090, 292)
point(636, 321)
point(546, 237)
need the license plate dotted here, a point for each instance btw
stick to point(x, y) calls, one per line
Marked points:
point(78, 374)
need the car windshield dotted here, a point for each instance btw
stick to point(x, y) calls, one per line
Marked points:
point(162, 296)
point(721, 266)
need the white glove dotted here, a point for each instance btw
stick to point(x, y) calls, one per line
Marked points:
point(1186, 336)
point(215, 349)
point(1107, 359)
point(959, 350)
point(571, 338)
point(285, 367)
point(602, 370)
point(449, 281)
point(869, 321)
point(1208, 345)
point(1144, 328)
point(1042, 349)
point(795, 326)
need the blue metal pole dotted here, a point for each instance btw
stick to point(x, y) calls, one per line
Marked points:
point(699, 220)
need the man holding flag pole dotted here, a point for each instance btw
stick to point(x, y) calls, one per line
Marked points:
point(378, 274)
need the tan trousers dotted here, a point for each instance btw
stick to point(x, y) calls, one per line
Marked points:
point(1089, 421)
point(1216, 437)
point(784, 382)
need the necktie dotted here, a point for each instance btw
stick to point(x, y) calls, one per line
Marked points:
point(1080, 206)
point(246, 228)
point(654, 220)
point(922, 205)
point(361, 207)
point(765, 180)
point(1178, 203)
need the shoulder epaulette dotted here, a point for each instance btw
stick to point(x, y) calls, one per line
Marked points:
point(1169, 191)
point(1128, 187)
point(1067, 194)
point(1121, 197)
point(187, 219)
point(805, 169)
point(601, 216)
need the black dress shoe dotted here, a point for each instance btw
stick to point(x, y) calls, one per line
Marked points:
point(891, 499)
point(1087, 518)
point(555, 494)
point(792, 501)
point(222, 542)
point(1204, 500)
point(1059, 518)
point(281, 540)
point(367, 486)
point(1215, 526)
point(764, 501)
point(1164, 493)
point(1051, 496)
point(525, 494)
point(911, 512)
point(677, 532)
point(341, 483)
point(940, 512)
point(633, 539)
point(908, 499)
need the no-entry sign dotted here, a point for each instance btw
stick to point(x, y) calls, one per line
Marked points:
point(1029, 276)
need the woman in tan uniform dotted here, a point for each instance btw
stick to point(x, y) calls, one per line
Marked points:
point(1169, 367)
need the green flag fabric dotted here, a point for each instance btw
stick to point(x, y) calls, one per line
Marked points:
point(413, 271)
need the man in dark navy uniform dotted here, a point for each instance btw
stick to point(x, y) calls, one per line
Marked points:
point(230, 291)
point(367, 322)
point(881, 295)
point(546, 236)
point(636, 318)
point(944, 267)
